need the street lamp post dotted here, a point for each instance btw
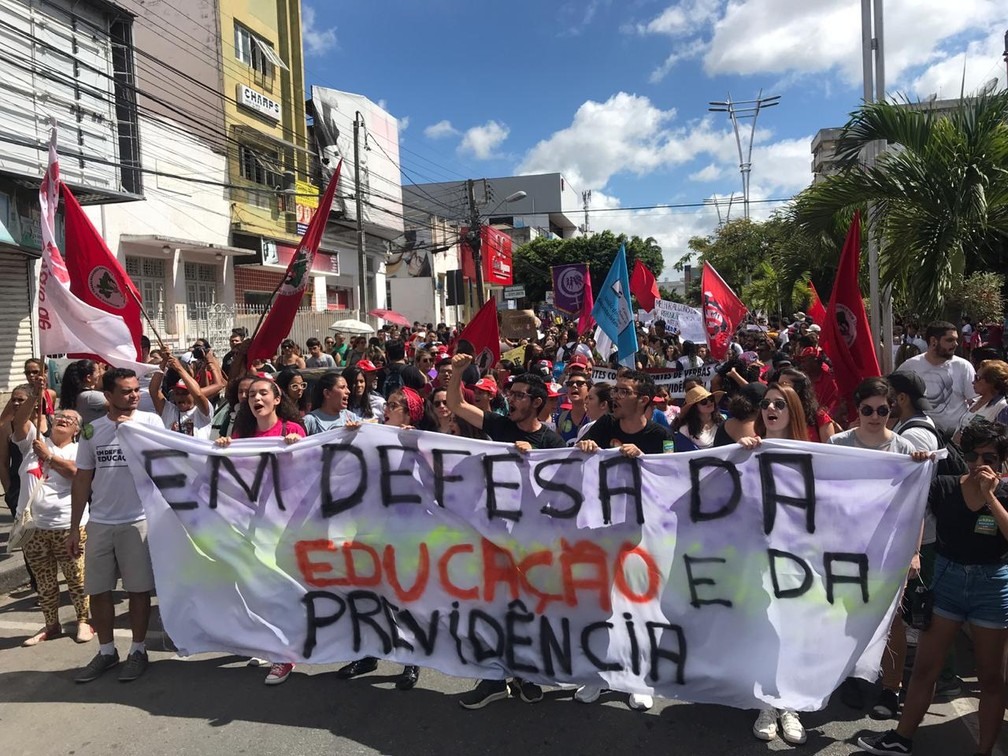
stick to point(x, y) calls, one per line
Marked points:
point(475, 237)
point(738, 110)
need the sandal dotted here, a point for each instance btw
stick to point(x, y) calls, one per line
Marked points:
point(85, 632)
point(46, 633)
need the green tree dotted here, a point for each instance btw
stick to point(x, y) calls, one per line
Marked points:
point(940, 194)
point(532, 261)
point(979, 296)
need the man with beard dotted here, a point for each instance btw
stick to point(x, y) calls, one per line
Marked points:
point(949, 379)
point(117, 529)
point(521, 427)
point(631, 430)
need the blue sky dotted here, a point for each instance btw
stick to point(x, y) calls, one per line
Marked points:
point(614, 93)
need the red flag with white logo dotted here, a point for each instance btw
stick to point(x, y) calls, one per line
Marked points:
point(96, 277)
point(846, 335)
point(280, 317)
point(723, 311)
point(482, 336)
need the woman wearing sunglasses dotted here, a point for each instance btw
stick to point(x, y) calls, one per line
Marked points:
point(871, 400)
point(970, 585)
point(697, 423)
point(780, 417)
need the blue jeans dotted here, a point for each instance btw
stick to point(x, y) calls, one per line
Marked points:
point(974, 593)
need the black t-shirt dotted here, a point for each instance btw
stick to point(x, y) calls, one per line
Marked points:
point(965, 536)
point(606, 432)
point(500, 428)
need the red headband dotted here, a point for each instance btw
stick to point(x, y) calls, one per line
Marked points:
point(414, 403)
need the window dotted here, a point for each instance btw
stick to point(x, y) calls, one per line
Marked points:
point(260, 167)
point(148, 275)
point(201, 287)
point(256, 53)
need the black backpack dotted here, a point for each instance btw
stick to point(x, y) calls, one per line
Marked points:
point(955, 462)
point(393, 379)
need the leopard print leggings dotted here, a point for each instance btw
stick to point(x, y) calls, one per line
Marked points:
point(46, 551)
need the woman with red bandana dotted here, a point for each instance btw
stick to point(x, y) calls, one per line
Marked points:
point(404, 409)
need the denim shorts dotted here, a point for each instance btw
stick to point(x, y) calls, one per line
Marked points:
point(974, 593)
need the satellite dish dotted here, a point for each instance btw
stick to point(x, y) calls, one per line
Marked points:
point(989, 86)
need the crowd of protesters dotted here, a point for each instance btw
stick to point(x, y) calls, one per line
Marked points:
point(776, 382)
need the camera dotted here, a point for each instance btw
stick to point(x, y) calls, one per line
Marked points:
point(199, 352)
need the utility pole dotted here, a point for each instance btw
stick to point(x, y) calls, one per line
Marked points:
point(1006, 58)
point(873, 65)
point(475, 239)
point(586, 201)
point(738, 110)
point(361, 258)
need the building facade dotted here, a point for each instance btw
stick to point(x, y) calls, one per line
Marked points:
point(67, 62)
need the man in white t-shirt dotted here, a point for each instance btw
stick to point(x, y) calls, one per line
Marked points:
point(117, 529)
point(188, 411)
point(949, 379)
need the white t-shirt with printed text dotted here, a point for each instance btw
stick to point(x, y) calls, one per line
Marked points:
point(114, 498)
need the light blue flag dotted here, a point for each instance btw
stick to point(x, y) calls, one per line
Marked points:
point(612, 310)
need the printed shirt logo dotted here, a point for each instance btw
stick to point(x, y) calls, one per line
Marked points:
point(103, 286)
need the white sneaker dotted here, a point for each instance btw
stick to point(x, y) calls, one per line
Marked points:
point(791, 728)
point(640, 702)
point(588, 693)
point(765, 727)
point(255, 661)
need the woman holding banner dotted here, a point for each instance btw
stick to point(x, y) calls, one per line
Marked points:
point(404, 409)
point(970, 585)
point(780, 417)
point(267, 412)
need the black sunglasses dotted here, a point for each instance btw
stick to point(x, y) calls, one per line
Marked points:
point(777, 404)
point(987, 459)
point(867, 411)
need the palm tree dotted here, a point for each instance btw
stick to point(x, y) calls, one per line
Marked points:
point(940, 192)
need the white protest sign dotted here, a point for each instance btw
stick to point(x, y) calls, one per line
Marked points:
point(745, 578)
point(687, 320)
point(671, 379)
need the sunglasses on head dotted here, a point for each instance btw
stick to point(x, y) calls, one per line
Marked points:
point(777, 404)
point(867, 411)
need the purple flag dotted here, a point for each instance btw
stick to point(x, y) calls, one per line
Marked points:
point(569, 286)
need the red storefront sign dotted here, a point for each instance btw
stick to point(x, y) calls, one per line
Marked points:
point(495, 250)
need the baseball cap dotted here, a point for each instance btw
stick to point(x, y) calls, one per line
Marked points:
point(578, 362)
point(814, 328)
point(486, 384)
point(367, 366)
point(544, 367)
point(441, 357)
point(180, 386)
point(552, 388)
point(912, 385)
point(810, 352)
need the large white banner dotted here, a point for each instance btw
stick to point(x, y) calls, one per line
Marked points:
point(728, 576)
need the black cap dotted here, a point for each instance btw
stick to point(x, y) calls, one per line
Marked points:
point(754, 392)
point(911, 384)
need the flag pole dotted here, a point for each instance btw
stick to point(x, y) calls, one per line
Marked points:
point(146, 317)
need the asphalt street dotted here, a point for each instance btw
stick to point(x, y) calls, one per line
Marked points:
point(214, 703)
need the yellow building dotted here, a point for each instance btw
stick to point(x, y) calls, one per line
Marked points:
point(267, 133)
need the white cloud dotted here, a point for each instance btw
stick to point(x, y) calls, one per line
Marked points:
point(316, 41)
point(971, 68)
point(482, 141)
point(791, 38)
point(404, 123)
point(440, 130)
point(708, 173)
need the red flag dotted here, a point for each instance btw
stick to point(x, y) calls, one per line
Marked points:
point(585, 320)
point(96, 277)
point(722, 309)
point(846, 336)
point(644, 286)
point(483, 337)
point(280, 316)
point(816, 311)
